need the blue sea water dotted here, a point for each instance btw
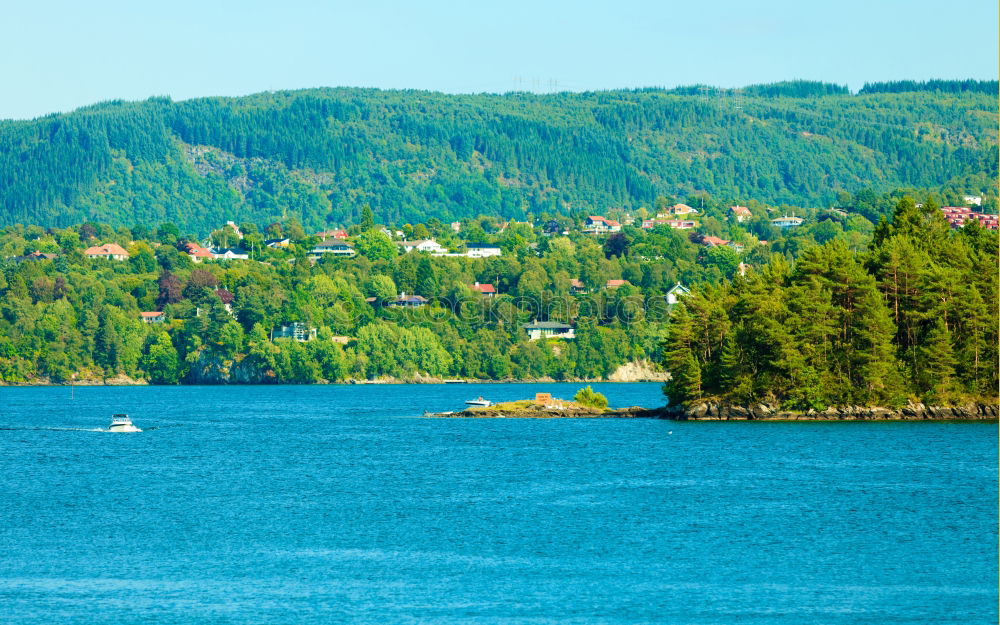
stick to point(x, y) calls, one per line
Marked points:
point(339, 504)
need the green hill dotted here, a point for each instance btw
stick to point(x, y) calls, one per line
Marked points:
point(322, 154)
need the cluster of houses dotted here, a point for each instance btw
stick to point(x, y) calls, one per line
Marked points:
point(678, 217)
point(198, 253)
point(682, 217)
point(335, 243)
point(339, 247)
point(556, 330)
point(535, 330)
point(958, 216)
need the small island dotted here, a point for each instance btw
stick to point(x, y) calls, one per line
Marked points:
point(585, 404)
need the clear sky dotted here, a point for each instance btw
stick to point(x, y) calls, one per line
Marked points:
point(56, 55)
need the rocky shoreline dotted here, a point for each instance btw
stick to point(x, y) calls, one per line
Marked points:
point(712, 411)
point(211, 371)
point(539, 412)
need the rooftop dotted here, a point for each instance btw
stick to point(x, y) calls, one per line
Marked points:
point(546, 325)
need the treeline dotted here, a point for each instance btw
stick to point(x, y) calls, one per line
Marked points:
point(913, 317)
point(74, 316)
point(797, 89)
point(320, 155)
point(70, 315)
point(988, 87)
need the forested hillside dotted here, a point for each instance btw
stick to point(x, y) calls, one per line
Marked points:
point(914, 316)
point(321, 155)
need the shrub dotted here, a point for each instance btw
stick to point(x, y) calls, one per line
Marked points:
point(586, 396)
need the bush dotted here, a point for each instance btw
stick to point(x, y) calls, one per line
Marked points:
point(586, 396)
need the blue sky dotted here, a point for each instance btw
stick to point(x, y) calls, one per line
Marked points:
point(56, 55)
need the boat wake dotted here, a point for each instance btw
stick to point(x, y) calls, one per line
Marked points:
point(51, 429)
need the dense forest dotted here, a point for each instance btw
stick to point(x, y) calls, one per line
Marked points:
point(914, 316)
point(320, 155)
point(65, 314)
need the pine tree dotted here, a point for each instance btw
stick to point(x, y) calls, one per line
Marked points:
point(107, 344)
point(936, 375)
point(427, 283)
point(679, 359)
point(875, 377)
point(367, 219)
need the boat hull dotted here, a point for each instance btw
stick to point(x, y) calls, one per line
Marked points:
point(123, 428)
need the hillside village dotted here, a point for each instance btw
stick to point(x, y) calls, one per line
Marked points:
point(567, 298)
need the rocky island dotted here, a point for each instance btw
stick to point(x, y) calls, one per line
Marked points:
point(586, 404)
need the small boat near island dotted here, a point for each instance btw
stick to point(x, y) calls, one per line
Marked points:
point(479, 401)
point(121, 423)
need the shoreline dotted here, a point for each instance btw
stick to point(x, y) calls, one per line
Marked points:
point(377, 382)
point(711, 411)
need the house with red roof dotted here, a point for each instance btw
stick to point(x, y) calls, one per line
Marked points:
point(487, 290)
point(197, 253)
point(681, 224)
point(108, 250)
point(712, 241)
point(741, 213)
point(153, 317)
point(614, 284)
point(682, 209)
point(599, 225)
point(332, 234)
point(958, 216)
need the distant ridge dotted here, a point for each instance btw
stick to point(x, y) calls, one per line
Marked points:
point(322, 154)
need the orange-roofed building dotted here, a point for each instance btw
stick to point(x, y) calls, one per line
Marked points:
point(332, 234)
point(108, 250)
point(741, 213)
point(487, 290)
point(197, 252)
point(599, 225)
point(153, 317)
point(711, 241)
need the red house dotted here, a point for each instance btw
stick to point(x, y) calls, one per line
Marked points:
point(486, 290)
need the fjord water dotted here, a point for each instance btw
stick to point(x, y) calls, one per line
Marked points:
point(340, 504)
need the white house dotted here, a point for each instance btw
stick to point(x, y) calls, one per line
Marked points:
point(230, 253)
point(678, 291)
point(295, 330)
point(676, 224)
point(741, 213)
point(972, 199)
point(153, 317)
point(423, 245)
point(332, 247)
point(548, 329)
point(599, 225)
point(236, 229)
point(481, 250)
point(787, 222)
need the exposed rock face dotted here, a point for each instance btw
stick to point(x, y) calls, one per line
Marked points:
point(212, 370)
point(713, 411)
point(638, 371)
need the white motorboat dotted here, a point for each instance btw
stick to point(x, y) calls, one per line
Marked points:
point(121, 423)
point(479, 401)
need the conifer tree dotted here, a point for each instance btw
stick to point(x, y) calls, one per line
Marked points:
point(936, 375)
point(679, 359)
